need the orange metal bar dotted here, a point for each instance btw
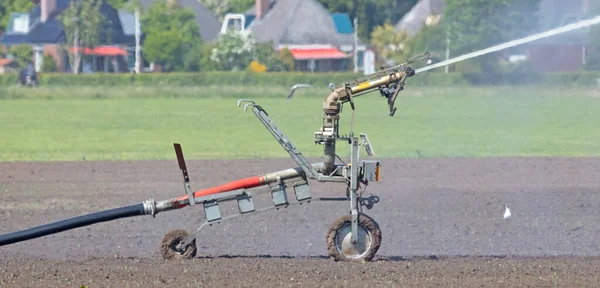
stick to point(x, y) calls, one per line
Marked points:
point(249, 182)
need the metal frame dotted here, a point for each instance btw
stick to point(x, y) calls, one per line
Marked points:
point(389, 82)
point(311, 173)
point(351, 174)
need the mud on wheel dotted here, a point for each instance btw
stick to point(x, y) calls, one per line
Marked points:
point(169, 246)
point(368, 240)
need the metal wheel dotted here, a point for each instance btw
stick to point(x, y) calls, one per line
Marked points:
point(368, 240)
point(170, 246)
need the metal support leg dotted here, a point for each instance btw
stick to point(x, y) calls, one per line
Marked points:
point(353, 187)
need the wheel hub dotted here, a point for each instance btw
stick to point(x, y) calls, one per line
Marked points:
point(353, 250)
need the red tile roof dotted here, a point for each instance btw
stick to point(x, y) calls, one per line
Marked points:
point(4, 62)
point(320, 53)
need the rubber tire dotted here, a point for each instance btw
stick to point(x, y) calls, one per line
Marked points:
point(364, 220)
point(171, 240)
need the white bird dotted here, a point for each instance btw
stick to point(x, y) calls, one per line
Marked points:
point(506, 212)
point(296, 87)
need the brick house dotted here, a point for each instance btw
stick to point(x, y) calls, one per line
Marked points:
point(41, 29)
point(318, 40)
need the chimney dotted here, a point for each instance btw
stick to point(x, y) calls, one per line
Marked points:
point(262, 7)
point(48, 7)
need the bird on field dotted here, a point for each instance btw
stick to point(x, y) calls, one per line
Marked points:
point(296, 87)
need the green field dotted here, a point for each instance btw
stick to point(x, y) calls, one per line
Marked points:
point(88, 123)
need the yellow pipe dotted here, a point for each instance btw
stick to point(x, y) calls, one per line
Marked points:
point(364, 86)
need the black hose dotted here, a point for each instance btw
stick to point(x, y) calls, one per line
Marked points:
point(80, 221)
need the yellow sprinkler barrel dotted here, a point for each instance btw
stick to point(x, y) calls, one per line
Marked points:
point(387, 79)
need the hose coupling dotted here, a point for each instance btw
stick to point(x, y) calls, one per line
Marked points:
point(150, 207)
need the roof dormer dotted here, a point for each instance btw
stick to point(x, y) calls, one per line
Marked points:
point(18, 24)
point(236, 23)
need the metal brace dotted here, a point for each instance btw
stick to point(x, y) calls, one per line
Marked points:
point(281, 138)
point(354, 187)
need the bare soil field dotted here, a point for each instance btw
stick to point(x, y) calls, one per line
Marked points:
point(441, 219)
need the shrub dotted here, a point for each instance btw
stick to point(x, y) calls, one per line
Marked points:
point(49, 64)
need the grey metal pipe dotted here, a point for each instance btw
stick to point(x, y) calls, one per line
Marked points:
point(153, 208)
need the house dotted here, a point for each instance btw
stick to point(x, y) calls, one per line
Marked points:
point(7, 66)
point(318, 40)
point(208, 24)
point(564, 52)
point(425, 12)
point(41, 28)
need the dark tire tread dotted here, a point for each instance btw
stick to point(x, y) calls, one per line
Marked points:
point(173, 238)
point(363, 220)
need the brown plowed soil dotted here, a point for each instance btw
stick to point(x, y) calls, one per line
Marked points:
point(441, 220)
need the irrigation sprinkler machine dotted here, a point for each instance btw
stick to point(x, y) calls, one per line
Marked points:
point(354, 237)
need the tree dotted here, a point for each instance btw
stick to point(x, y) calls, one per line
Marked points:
point(233, 51)
point(370, 13)
point(117, 4)
point(49, 64)
point(388, 43)
point(430, 39)
point(218, 7)
point(288, 59)
point(222, 7)
point(265, 54)
point(83, 24)
point(164, 48)
point(3, 13)
point(12, 6)
point(239, 6)
point(206, 63)
point(172, 36)
point(130, 5)
point(22, 54)
point(192, 58)
point(477, 24)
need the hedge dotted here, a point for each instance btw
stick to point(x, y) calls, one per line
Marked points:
point(289, 79)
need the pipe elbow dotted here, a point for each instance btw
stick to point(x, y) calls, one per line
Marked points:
point(331, 104)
